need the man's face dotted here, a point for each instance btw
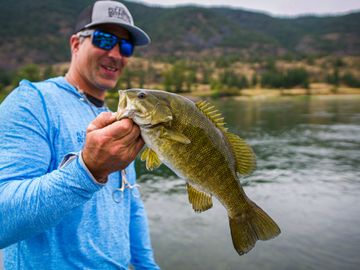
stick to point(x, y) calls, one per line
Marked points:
point(100, 69)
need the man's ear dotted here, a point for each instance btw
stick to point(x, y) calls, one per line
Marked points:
point(74, 43)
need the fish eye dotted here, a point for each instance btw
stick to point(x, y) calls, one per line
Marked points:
point(141, 95)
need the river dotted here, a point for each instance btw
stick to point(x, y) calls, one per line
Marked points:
point(307, 179)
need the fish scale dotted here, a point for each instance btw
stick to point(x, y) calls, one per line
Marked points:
point(202, 147)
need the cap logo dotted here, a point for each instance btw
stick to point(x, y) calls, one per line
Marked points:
point(119, 13)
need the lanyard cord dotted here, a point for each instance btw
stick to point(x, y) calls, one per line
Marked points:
point(88, 102)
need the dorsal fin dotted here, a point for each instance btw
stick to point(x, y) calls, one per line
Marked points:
point(212, 113)
point(244, 155)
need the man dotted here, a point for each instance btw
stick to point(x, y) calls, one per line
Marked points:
point(68, 197)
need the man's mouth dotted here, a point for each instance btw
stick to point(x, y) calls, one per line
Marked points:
point(109, 68)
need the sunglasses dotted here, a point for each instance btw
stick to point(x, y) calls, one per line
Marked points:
point(107, 41)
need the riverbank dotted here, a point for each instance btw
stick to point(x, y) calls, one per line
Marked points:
point(300, 92)
point(204, 91)
point(316, 89)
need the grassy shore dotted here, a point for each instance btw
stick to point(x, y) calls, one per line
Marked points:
point(316, 89)
point(202, 91)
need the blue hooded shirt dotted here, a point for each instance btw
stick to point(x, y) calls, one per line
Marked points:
point(59, 217)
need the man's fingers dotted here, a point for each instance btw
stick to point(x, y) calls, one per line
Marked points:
point(139, 145)
point(135, 147)
point(102, 120)
point(110, 145)
point(120, 129)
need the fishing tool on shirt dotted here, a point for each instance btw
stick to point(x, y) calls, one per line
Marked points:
point(118, 194)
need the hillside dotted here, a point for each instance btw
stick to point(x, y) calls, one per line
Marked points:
point(37, 31)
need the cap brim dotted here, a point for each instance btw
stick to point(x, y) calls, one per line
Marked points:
point(139, 37)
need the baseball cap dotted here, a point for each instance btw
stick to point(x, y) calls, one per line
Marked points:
point(111, 12)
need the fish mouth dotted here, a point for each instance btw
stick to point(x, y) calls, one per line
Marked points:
point(138, 112)
point(122, 100)
point(123, 113)
point(132, 114)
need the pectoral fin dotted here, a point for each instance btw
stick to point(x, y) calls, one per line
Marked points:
point(200, 201)
point(152, 159)
point(174, 136)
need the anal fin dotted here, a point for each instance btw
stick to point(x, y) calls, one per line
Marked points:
point(200, 200)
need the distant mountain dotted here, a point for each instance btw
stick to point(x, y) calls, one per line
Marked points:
point(38, 31)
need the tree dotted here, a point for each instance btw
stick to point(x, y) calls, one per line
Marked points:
point(254, 80)
point(29, 72)
point(5, 78)
point(167, 83)
point(206, 74)
point(289, 79)
point(127, 78)
point(273, 79)
point(48, 72)
point(296, 77)
point(190, 79)
point(217, 87)
point(243, 83)
point(142, 76)
point(350, 80)
point(334, 77)
point(174, 77)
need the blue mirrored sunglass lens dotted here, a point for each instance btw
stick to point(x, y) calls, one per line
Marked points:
point(126, 48)
point(104, 40)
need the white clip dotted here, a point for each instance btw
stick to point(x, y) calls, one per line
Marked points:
point(124, 184)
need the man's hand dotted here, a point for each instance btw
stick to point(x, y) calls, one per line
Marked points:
point(110, 145)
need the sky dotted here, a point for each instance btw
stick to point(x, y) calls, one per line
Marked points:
point(273, 7)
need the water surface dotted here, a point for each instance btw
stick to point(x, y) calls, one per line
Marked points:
point(307, 179)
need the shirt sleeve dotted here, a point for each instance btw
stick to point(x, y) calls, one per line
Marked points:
point(142, 256)
point(33, 196)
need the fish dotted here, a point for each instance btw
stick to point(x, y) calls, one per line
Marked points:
point(192, 140)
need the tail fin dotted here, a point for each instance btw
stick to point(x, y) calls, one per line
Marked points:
point(246, 229)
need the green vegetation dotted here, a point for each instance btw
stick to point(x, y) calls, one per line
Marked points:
point(228, 83)
point(179, 33)
point(350, 80)
point(30, 72)
point(297, 77)
point(180, 78)
point(219, 50)
point(213, 77)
